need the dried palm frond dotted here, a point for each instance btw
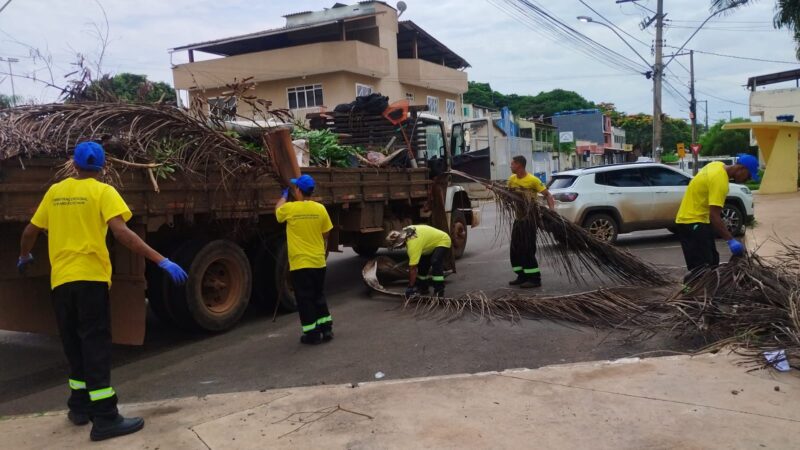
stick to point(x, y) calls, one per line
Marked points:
point(573, 248)
point(747, 302)
point(615, 308)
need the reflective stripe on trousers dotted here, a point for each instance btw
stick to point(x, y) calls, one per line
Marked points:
point(101, 394)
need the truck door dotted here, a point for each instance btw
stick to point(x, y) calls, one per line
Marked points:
point(470, 145)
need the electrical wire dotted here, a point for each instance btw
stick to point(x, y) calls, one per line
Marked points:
point(614, 25)
point(746, 58)
point(537, 18)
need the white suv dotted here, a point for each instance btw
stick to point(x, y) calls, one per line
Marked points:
point(609, 200)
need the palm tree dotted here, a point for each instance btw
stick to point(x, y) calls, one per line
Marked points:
point(787, 15)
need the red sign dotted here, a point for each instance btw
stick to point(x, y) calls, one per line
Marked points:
point(696, 148)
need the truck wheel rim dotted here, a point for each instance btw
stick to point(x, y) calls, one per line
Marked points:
point(222, 286)
point(602, 229)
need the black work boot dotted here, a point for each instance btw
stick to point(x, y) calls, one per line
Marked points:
point(531, 282)
point(78, 418)
point(327, 332)
point(422, 289)
point(105, 428)
point(520, 279)
point(312, 337)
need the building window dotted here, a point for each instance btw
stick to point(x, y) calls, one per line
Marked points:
point(410, 97)
point(305, 96)
point(222, 108)
point(450, 106)
point(433, 104)
point(363, 90)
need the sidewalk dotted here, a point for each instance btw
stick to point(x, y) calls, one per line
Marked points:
point(673, 402)
point(776, 216)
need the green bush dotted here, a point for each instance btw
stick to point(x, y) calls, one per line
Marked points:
point(325, 149)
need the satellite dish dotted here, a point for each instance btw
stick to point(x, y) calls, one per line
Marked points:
point(402, 7)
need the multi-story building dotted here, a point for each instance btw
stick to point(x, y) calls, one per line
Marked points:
point(768, 104)
point(597, 137)
point(324, 58)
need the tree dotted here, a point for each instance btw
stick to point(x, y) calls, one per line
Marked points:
point(719, 142)
point(7, 101)
point(543, 104)
point(610, 110)
point(126, 88)
point(639, 132)
point(787, 15)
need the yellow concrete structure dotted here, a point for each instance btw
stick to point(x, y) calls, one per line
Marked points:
point(778, 144)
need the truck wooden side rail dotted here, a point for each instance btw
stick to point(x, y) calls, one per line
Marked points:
point(224, 234)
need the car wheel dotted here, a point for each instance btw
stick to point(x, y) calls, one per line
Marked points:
point(602, 226)
point(733, 218)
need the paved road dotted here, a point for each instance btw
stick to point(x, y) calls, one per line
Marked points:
point(372, 336)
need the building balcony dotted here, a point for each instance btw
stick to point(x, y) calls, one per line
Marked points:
point(418, 72)
point(291, 62)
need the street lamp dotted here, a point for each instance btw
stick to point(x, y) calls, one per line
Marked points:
point(587, 19)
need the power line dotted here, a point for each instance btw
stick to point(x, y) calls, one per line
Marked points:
point(614, 25)
point(746, 58)
point(540, 20)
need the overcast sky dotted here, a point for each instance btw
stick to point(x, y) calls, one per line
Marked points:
point(513, 57)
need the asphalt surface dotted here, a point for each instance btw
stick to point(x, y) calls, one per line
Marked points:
point(372, 335)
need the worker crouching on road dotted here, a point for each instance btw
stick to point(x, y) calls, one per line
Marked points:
point(700, 214)
point(427, 247)
point(307, 228)
point(523, 233)
point(77, 214)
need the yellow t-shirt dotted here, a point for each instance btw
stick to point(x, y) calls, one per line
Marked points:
point(305, 223)
point(426, 241)
point(75, 214)
point(708, 188)
point(528, 182)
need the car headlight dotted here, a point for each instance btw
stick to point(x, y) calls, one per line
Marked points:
point(746, 190)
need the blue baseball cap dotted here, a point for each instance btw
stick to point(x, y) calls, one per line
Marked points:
point(751, 162)
point(90, 156)
point(305, 183)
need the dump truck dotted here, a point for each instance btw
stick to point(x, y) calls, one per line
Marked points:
point(227, 239)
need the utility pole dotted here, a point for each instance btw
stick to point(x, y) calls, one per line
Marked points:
point(658, 71)
point(11, 77)
point(693, 110)
point(730, 114)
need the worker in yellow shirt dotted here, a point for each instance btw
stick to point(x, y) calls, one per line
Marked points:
point(523, 233)
point(307, 228)
point(700, 214)
point(77, 214)
point(426, 247)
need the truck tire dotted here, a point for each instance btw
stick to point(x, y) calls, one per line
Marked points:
point(458, 233)
point(217, 292)
point(734, 219)
point(602, 226)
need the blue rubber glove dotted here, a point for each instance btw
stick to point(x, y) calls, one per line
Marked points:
point(285, 193)
point(174, 271)
point(736, 247)
point(22, 263)
point(411, 291)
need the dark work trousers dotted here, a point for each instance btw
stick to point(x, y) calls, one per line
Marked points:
point(523, 250)
point(430, 271)
point(309, 285)
point(84, 322)
point(699, 247)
